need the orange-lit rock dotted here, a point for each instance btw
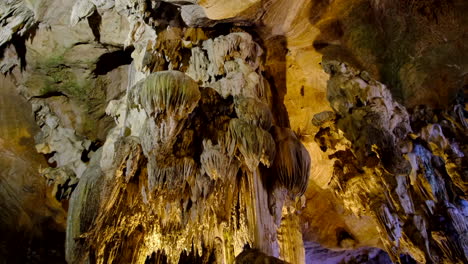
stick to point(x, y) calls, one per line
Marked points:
point(217, 131)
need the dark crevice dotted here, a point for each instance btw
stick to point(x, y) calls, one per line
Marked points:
point(47, 157)
point(342, 234)
point(319, 45)
point(218, 78)
point(19, 42)
point(165, 14)
point(158, 257)
point(20, 46)
point(95, 145)
point(94, 22)
point(50, 94)
point(194, 257)
point(220, 29)
point(109, 61)
point(81, 43)
point(359, 103)
point(65, 190)
point(189, 205)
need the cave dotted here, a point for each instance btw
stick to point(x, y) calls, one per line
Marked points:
point(233, 132)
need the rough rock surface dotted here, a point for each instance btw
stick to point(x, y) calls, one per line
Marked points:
point(399, 171)
point(32, 221)
point(218, 131)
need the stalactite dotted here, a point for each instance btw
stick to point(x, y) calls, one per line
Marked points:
point(216, 163)
point(254, 112)
point(238, 45)
point(219, 108)
point(170, 93)
point(389, 175)
point(291, 165)
point(255, 144)
point(182, 198)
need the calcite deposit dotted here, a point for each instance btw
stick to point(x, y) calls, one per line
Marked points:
point(220, 131)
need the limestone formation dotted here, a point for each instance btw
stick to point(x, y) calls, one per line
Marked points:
point(216, 162)
point(291, 166)
point(388, 168)
point(255, 144)
point(15, 20)
point(62, 143)
point(254, 112)
point(218, 131)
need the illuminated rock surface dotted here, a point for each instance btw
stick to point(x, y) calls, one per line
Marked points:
point(248, 131)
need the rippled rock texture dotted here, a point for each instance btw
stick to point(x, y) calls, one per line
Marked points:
point(216, 131)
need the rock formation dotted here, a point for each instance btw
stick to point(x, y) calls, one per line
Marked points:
point(260, 131)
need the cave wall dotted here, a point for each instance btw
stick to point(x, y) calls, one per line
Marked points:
point(220, 131)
